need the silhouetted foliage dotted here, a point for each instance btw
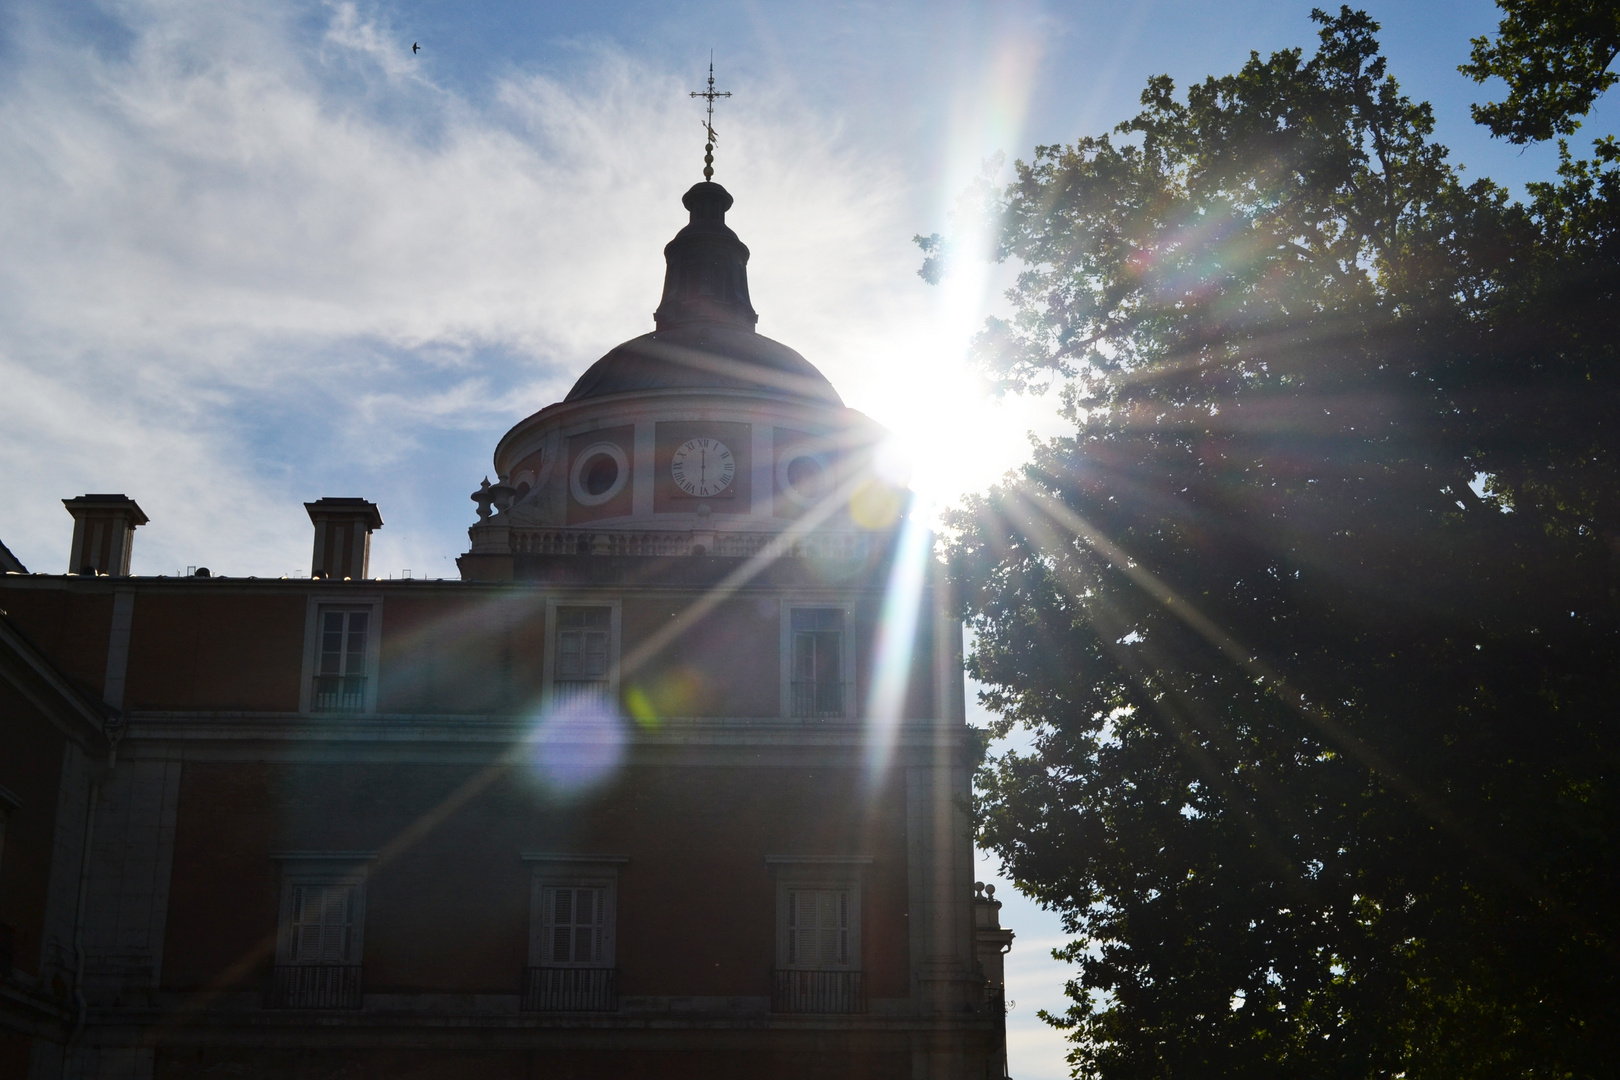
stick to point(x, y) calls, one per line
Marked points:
point(1555, 56)
point(1313, 617)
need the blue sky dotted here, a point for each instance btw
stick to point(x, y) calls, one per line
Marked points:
point(253, 254)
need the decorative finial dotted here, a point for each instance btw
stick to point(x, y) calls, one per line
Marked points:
point(708, 125)
point(483, 497)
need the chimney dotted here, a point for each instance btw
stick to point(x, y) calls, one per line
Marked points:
point(103, 532)
point(342, 537)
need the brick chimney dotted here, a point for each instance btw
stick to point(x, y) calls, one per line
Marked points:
point(343, 530)
point(103, 532)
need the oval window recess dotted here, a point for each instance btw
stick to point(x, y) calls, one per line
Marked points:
point(600, 472)
point(804, 478)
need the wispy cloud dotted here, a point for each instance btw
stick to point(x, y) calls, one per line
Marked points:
point(245, 262)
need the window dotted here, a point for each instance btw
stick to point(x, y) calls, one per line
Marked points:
point(600, 472)
point(582, 644)
point(341, 657)
point(816, 650)
point(321, 923)
point(818, 938)
point(573, 925)
point(582, 656)
point(319, 940)
point(818, 928)
point(804, 475)
point(340, 678)
point(572, 903)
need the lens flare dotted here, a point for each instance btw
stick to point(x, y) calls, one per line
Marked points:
point(576, 746)
point(896, 636)
point(876, 505)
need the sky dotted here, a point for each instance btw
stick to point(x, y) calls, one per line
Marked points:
point(252, 254)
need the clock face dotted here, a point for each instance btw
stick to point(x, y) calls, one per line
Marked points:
point(703, 467)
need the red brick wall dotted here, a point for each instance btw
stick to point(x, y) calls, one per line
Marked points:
point(625, 439)
point(66, 622)
point(208, 649)
point(456, 653)
point(450, 912)
point(15, 1051)
point(737, 498)
point(725, 664)
point(31, 769)
point(230, 648)
point(834, 1059)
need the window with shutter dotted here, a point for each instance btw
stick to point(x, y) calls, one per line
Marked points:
point(321, 930)
point(818, 928)
point(322, 924)
point(570, 966)
point(575, 925)
point(818, 935)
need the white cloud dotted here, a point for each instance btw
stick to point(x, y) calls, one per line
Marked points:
point(243, 265)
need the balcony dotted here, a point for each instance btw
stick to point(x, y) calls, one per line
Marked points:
point(590, 695)
point(557, 989)
point(794, 991)
point(338, 694)
point(315, 986)
point(818, 700)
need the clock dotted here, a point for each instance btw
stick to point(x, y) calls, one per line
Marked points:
point(703, 467)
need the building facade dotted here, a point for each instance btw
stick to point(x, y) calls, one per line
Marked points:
point(672, 782)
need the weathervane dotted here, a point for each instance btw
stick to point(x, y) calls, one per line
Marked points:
point(708, 125)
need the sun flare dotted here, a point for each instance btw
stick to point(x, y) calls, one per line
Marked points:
point(950, 434)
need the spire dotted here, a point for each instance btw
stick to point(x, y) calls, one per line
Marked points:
point(710, 95)
point(706, 268)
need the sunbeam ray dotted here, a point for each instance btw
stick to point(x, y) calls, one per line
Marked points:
point(892, 666)
point(1040, 502)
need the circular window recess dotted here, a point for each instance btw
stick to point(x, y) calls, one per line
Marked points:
point(600, 472)
point(805, 478)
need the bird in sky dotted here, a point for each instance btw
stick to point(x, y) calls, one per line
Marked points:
point(415, 48)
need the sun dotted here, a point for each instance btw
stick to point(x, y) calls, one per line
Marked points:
point(950, 433)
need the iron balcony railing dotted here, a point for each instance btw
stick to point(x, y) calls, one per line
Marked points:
point(560, 989)
point(796, 991)
point(589, 694)
point(315, 986)
point(818, 700)
point(339, 693)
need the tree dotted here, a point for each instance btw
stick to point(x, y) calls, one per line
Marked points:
point(1555, 56)
point(1313, 615)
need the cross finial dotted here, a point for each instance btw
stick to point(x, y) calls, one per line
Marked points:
point(708, 125)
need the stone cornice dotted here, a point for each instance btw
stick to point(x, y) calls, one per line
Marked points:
point(482, 740)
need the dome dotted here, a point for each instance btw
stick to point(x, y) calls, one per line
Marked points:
point(705, 337)
point(705, 357)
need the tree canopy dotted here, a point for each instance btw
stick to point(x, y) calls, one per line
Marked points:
point(1313, 616)
point(1554, 56)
